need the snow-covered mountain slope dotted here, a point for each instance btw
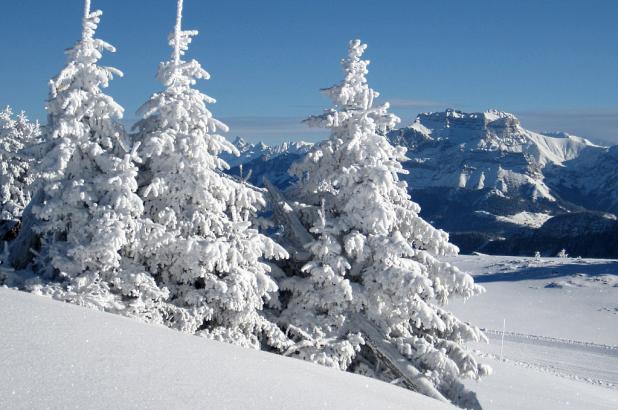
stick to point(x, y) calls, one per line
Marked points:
point(58, 356)
point(590, 179)
point(483, 162)
point(561, 340)
point(465, 134)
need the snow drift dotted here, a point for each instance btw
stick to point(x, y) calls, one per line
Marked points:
point(57, 355)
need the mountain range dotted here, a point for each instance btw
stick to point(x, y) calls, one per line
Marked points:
point(495, 186)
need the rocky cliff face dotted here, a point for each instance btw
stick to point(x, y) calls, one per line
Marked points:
point(484, 169)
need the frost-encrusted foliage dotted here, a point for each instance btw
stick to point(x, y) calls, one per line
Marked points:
point(88, 216)
point(17, 134)
point(201, 245)
point(373, 254)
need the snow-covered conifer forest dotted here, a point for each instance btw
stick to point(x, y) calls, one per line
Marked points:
point(328, 260)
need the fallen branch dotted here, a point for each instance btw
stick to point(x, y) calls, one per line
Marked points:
point(388, 354)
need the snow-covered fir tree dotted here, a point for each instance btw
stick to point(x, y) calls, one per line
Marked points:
point(87, 212)
point(202, 245)
point(374, 259)
point(17, 134)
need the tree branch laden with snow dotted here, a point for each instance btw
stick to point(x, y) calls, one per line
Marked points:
point(87, 216)
point(201, 245)
point(17, 136)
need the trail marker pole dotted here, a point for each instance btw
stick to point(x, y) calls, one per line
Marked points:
point(502, 342)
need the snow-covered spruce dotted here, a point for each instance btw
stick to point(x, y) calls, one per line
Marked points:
point(374, 271)
point(86, 213)
point(17, 135)
point(202, 245)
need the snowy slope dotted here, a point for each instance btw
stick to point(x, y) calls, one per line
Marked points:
point(561, 341)
point(519, 386)
point(569, 298)
point(56, 355)
point(560, 351)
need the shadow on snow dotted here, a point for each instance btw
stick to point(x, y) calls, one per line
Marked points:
point(538, 272)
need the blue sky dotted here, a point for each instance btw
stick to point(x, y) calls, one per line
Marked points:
point(554, 63)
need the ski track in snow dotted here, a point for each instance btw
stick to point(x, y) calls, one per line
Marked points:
point(561, 347)
point(552, 341)
point(582, 361)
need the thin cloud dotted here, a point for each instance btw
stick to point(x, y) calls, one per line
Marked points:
point(273, 130)
point(599, 126)
point(412, 103)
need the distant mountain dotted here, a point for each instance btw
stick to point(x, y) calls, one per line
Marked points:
point(263, 152)
point(260, 160)
point(482, 177)
point(590, 179)
point(471, 170)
